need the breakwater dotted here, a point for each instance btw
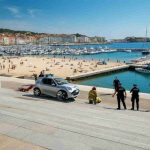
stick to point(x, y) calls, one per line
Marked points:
point(104, 71)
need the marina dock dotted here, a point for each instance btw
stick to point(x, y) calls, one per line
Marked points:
point(98, 72)
point(132, 49)
point(105, 71)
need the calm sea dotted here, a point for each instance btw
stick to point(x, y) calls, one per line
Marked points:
point(127, 78)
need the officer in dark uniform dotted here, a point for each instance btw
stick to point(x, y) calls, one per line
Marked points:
point(121, 95)
point(116, 83)
point(135, 96)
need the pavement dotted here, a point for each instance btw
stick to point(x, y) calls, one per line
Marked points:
point(39, 123)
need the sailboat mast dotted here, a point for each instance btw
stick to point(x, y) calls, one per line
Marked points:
point(146, 50)
point(146, 34)
point(145, 39)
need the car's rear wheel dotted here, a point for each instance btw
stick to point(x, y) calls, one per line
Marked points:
point(61, 95)
point(37, 92)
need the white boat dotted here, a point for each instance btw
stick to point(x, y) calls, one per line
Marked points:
point(143, 70)
point(128, 51)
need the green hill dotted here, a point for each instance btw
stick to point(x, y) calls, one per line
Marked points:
point(15, 31)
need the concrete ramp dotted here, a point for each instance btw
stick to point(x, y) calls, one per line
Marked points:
point(50, 124)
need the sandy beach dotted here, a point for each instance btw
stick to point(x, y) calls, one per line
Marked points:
point(62, 67)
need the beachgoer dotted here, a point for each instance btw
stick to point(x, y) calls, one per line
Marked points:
point(135, 96)
point(92, 96)
point(121, 95)
point(35, 76)
point(3, 66)
point(116, 83)
point(41, 74)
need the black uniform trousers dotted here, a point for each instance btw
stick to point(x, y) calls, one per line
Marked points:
point(92, 101)
point(121, 98)
point(133, 99)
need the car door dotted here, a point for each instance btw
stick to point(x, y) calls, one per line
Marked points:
point(49, 87)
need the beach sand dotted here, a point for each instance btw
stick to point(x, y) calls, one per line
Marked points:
point(62, 67)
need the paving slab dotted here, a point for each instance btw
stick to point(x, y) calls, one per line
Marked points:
point(8, 143)
point(47, 123)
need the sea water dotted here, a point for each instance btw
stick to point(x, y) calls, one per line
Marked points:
point(127, 78)
point(114, 56)
point(121, 56)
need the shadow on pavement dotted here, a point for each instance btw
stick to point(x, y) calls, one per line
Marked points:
point(127, 109)
point(45, 97)
point(105, 94)
point(109, 108)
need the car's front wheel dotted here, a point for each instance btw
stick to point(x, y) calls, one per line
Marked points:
point(37, 92)
point(61, 95)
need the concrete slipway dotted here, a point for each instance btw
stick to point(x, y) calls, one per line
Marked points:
point(44, 123)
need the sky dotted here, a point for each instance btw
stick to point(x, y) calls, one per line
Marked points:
point(108, 18)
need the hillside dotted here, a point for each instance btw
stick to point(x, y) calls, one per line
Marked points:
point(9, 31)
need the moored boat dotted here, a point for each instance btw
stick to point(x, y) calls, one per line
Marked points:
point(146, 52)
point(143, 69)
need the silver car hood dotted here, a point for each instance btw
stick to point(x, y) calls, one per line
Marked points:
point(70, 85)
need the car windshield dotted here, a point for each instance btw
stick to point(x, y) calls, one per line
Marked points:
point(60, 81)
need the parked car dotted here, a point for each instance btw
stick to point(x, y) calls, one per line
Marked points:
point(55, 87)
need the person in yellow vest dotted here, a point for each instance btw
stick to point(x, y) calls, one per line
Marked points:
point(93, 96)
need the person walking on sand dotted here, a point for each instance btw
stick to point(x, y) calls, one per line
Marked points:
point(92, 96)
point(116, 83)
point(121, 96)
point(135, 96)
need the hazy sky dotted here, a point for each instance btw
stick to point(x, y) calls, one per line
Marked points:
point(109, 18)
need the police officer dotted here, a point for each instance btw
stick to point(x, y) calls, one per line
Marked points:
point(135, 96)
point(116, 83)
point(121, 95)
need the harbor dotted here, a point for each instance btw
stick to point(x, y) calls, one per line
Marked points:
point(126, 77)
point(107, 71)
point(74, 75)
point(30, 49)
point(80, 62)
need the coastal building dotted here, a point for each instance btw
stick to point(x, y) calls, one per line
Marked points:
point(52, 39)
point(36, 38)
point(55, 39)
point(69, 39)
point(1, 40)
point(29, 39)
point(83, 39)
point(100, 39)
point(73, 38)
point(97, 39)
point(5, 40)
point(11, 40)
point(20, 41)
